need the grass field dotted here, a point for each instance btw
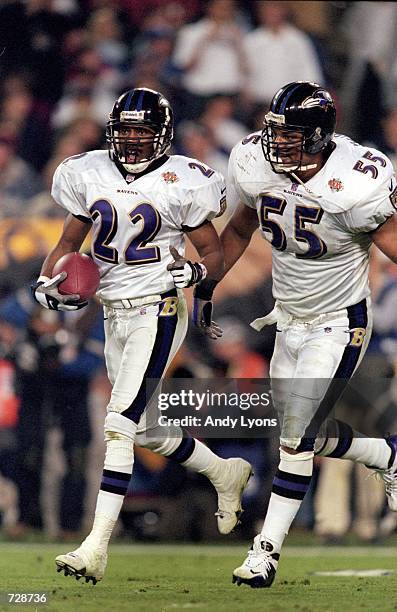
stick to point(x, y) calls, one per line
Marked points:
point(157, 578)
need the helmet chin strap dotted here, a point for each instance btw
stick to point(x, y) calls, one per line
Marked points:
point(308, 167)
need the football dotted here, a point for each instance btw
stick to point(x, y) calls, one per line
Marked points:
point(83, 275)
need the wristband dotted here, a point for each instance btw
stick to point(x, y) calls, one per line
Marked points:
point(205, 289)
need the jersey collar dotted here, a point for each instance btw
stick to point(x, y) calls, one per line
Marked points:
point(129, 177)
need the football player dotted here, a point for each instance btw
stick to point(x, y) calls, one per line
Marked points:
point(321, 200)
point(140, 203)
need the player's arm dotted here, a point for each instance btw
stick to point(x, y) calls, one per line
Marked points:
point(45, 290)
point(73, 235)
point(237, 234)
point(385, 238)
point(204, 275)
point(207, 244)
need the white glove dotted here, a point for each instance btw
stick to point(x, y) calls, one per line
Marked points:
point(45, 292)
point(185, 273)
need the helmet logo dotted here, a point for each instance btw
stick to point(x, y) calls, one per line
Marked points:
point(312, 102)
point(134, 114)
point(335, 184)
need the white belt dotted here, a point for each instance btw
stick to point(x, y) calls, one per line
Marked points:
point(132, 302)
point(280, 316)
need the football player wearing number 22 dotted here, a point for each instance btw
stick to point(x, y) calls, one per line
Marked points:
point(321, 200)
point(140, 203)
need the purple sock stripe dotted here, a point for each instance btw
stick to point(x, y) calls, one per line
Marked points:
point(114, 489)
point(117, 475)
point(288, 493)
point(115, 482)
point(290, 486)
point(290, 477)
point(184, 450)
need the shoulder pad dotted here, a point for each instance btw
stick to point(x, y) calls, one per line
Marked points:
point(352, 174)
point(191, 173)
point(85, 161)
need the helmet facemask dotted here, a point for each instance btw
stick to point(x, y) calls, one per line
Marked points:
point(285, 145)
point(137, 152)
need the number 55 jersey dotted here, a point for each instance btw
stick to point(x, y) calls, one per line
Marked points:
point(320, 231)
point(136, 218)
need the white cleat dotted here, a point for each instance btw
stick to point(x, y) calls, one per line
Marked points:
point(260, 566)
point(230, 485)
point(389, 476)
point(83, 563)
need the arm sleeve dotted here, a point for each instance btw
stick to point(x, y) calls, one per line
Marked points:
point(204, 202)
point(371, 212)
point(66, 193)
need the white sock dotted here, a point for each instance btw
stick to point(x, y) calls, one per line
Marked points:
point(204, 461)
point(373, 452)
point(119, 459)
point(292, 479)
point(337, 439)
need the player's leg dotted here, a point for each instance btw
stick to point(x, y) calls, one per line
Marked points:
point(259, 568)
point(137, 347)
point(228, 476)
point(325, 360)
point(337, 439)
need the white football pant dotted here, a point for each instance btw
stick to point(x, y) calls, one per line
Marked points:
point(311, 364)
point(140, 344)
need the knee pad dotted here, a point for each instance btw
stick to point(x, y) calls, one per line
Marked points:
point(161, 440)
point(118, 427)
point(304, 456)
point(301, 463)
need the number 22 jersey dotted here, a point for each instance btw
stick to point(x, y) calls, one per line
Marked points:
point(136, 221)
point(319, 231)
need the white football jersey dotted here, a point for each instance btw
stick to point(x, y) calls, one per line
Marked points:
point(136, 221)
point(320, 231)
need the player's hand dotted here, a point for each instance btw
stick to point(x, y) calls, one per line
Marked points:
point(184, 272)
point(202, 318)
point(45, 292)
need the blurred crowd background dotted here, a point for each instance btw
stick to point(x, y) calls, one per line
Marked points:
point(219, 62)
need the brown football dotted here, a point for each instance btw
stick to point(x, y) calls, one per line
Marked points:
point(83, 275)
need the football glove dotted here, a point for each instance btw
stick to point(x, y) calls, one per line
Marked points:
point(185, 273)
point(202, 310)
point(45, 292)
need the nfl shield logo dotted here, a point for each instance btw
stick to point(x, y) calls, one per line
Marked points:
point(335, 184)
point(129, 178)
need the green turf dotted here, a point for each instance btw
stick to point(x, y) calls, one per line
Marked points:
point(155, 578)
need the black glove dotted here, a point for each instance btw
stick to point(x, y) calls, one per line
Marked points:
point(45, 292)
point(202, 309)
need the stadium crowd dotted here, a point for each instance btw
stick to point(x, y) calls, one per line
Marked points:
point(62, 65)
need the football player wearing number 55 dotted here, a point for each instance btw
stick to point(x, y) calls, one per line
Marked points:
point(321, 200)
point(141, 203)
